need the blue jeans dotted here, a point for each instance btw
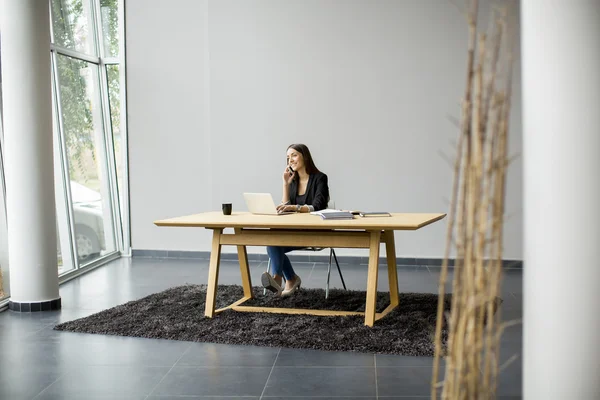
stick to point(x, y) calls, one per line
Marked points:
point(280, 263)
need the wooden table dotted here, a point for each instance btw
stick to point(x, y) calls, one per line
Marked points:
point(303, 230)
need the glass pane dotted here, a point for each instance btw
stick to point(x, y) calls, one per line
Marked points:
point(72, 24)
point(62, 266)
point(82, 124)
point(4, 278)
point(110, 27)
point(1, 126)
point(63, 243)
point(4, 273)
point(114, 93)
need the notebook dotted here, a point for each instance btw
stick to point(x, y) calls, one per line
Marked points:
point(371, 213)
point(375, 214)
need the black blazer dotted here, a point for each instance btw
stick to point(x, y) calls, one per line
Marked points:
point(317, 191)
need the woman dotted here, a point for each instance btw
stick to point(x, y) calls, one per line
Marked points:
point(305, 189)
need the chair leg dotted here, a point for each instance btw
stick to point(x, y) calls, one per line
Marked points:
point(338, 267)
point(268, 268)
point(328, 275)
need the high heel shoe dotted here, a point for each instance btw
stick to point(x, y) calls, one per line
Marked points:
point(269, 283)
point(295, 286)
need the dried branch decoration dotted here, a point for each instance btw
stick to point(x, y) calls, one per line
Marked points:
point(475, 221)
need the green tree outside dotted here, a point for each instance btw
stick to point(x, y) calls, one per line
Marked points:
point(76, 106)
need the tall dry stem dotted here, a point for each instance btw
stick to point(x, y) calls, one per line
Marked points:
point(475, 224)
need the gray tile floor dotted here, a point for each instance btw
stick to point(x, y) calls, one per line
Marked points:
point(39, 363)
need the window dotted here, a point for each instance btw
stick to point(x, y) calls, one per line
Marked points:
point(4, 272)
point(86, 58)
point(72, 22)
point(87, 158)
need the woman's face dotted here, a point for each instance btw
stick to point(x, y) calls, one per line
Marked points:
point(295, 159)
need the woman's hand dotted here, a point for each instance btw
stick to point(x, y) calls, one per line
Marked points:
point(288, 175)
point(286, 207)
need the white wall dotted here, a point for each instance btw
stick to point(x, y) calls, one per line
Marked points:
point(218, 89)
point(169, 145)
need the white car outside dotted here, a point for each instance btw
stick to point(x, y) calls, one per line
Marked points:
point(89, 225)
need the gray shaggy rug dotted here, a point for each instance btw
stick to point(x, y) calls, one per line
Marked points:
point(178, 314)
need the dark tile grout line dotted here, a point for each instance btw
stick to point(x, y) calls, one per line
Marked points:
point(376, 383)
point(48, 387)
point(429, 270)
point(400, 367)
point(311, 272)
point(326, 397)
point(31, 335)
point(310, 366)
point(270, 373)
point(510, 264)
point(262, 366)
point(169, 371)
point(44, 327)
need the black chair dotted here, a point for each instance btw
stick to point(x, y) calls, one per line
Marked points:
point(331, 255)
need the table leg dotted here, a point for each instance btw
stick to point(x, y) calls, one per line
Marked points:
point(390, 249)
point(213, 274)
point(375, 238)
point(244, 269)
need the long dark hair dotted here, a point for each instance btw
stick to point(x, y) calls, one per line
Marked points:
point(309, 164)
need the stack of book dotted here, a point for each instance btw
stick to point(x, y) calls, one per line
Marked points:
point(333, 214)
point(345, 214)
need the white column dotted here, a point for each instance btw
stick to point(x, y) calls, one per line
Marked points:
point(560, 42)
point(29, 172)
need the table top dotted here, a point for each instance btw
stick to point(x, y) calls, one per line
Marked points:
point(216, 219)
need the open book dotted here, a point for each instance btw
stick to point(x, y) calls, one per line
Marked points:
point(333, 214)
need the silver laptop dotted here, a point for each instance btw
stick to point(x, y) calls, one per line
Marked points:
point(263, 204)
